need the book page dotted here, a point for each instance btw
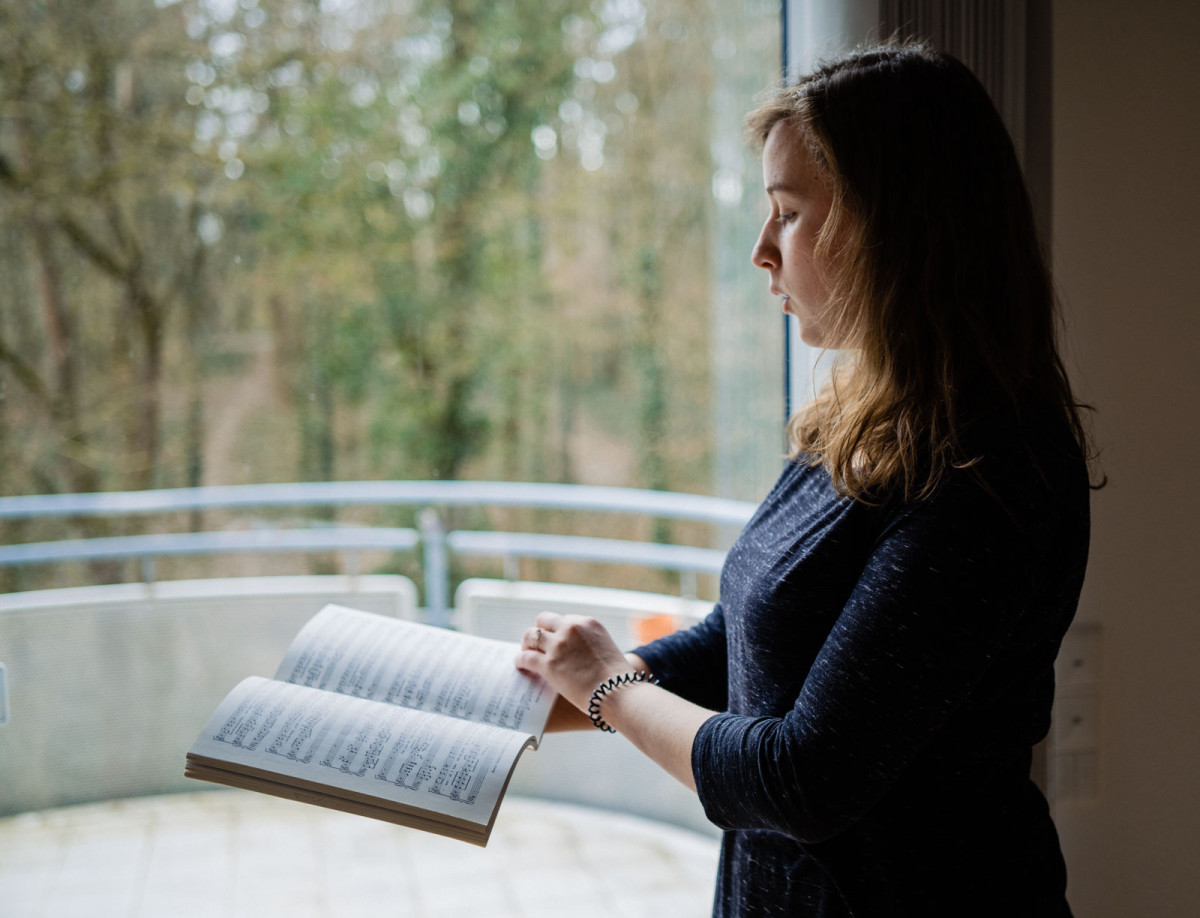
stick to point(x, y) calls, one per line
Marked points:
point(371, 656)
point(419, 760)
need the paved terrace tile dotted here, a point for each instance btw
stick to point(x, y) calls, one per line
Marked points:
point(234, 854)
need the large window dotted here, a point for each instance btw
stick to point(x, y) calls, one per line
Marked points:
point(279, 240)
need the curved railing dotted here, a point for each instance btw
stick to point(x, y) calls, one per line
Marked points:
point(439, 493)
point(437, 544)
point(108, 684)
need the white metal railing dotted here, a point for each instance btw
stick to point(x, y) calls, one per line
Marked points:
point(436, 493)
point(437, 544)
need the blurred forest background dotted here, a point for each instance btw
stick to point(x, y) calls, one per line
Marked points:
point(253, 241)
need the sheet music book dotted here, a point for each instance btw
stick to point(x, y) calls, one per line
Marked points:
point(395, 720)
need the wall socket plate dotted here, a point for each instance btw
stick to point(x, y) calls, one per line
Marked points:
point(1076, 723)
point(1075, 738)
point(1078, 663)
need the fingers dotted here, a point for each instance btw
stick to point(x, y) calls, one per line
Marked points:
point(534, 639)
point(573, 653)
point(530, 661)
point(554, 623)
point(546, 624)
point(568, 640)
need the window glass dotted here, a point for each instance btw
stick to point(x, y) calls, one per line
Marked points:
point(256, 241)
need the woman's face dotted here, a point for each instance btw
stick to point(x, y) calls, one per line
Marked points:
point(800, 199)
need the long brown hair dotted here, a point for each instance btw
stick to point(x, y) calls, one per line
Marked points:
point(932, 259)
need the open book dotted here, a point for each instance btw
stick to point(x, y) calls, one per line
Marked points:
point(381, 717)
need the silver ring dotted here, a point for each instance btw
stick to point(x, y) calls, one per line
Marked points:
point(537, 639)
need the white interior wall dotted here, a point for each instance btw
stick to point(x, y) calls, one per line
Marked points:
point(1126, 135)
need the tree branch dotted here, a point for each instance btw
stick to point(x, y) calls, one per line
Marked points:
point(91, 247)
point(25, 374)
point(7, 176)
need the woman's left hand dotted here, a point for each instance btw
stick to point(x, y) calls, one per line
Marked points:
point(574, 653)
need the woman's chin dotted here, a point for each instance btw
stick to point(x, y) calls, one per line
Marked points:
point(811, 335)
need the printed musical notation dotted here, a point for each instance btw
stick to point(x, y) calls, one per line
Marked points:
point(389, 744)
point(365, 657)
point(415, 725)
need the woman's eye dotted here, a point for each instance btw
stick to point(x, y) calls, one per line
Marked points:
point(786, 218)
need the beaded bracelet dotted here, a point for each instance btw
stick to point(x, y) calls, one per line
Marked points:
point(607, 686)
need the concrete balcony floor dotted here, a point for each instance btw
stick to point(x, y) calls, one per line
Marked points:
point(231, 853)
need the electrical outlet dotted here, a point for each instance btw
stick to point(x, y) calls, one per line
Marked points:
point(1076, 724)
point(1075, 746)
point(1078, 662)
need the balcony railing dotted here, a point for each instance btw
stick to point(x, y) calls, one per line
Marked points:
point(110, 683)
point(437, 545)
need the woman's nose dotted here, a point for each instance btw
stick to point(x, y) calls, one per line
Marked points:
point(765, 254)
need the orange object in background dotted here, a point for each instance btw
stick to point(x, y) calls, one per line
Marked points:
point(653, 627)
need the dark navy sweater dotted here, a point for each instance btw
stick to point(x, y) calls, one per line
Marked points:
point(884, 672)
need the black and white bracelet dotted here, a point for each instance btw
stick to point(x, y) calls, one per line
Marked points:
point(609, 685)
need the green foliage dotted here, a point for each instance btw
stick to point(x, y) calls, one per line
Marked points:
point(280, 238)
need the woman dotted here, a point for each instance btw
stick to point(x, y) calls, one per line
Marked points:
point(858, 711)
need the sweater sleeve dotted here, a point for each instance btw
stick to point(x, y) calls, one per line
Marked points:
point(943, 590)
point(693, 663)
